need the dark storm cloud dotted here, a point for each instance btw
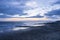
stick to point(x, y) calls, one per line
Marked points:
point(58, 2)
point(54, 14)
point(11, 7)
point(4, 16)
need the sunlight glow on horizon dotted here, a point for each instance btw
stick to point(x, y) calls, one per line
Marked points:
point(22, 19)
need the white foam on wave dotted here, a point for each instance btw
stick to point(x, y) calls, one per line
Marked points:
point(19, 28)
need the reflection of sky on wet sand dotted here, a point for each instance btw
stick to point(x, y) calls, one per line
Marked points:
point(29, 24)
point(33, 23)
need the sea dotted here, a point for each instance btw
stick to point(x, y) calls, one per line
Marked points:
point(6, 25)
point(29, 30)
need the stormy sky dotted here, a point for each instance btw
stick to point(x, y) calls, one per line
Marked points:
point(30, 8)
